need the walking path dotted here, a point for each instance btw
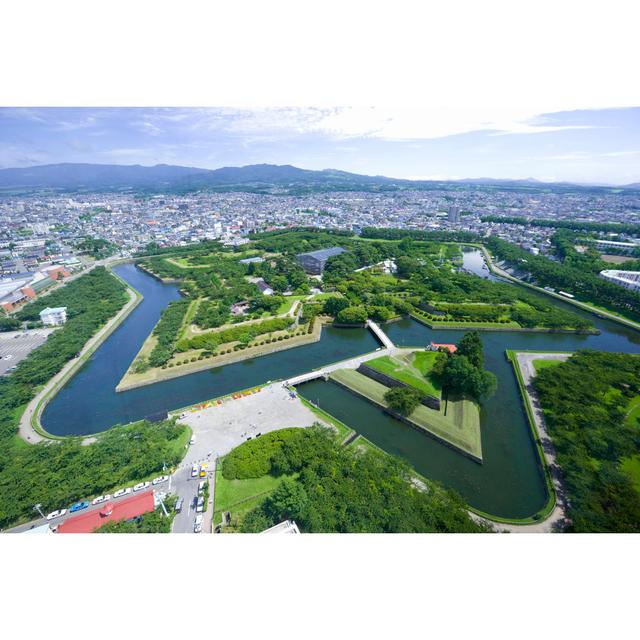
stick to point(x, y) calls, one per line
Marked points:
point(558, 518)
point(39, 402)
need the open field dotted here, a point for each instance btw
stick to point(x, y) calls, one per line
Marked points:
point(456, 424)
point(410, 368)
point(616, 259)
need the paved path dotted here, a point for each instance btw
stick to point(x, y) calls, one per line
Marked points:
point(557, 519)
point(353, 363)
point(380, 334)
point(26, 431)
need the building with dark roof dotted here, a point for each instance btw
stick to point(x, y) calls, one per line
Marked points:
point(313, 262)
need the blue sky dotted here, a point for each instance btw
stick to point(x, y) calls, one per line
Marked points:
point(595, 146)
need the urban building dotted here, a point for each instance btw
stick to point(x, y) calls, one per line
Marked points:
point(453, 215)
point(53, 316)
point(627, 279)
point(314, 262)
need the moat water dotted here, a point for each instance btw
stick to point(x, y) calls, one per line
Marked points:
point(507, 484)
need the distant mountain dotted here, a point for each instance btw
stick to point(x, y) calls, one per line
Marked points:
point(257, 177)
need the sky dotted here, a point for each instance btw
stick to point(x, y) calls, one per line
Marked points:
point(599, 146)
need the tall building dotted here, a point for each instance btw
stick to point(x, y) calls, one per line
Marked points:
point(627, 279)
point(453, 214)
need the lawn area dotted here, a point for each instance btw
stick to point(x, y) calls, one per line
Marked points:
point(541, 364)
point(410, 368)
point(459, 426)
point(289, 301)
point(240, 496)
point(633, 411)
point(631, 466)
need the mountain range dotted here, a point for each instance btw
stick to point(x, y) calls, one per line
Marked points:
point(257, 177)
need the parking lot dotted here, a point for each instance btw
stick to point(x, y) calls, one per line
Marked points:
point(219, 428)
point(17, 345)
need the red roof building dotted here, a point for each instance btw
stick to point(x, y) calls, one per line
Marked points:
point(451, 348)
point(109, 512)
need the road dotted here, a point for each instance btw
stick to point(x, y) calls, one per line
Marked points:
point(58, 521)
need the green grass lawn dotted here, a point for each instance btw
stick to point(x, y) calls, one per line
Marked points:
point(633, 411)
point(538, 365)
point(460, 426)
point(343, 430)
point(631, 466)
point(241, 496)
point(411, 368)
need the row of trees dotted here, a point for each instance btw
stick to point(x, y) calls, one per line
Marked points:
point(575, 225)
point(583, 284)
point(340, 490)
point(166, 333)
point(586, 404)
point(241, 333)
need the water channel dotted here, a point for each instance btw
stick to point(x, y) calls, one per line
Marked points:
point(507, 484)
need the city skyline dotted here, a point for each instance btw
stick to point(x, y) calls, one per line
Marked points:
point(600, 146)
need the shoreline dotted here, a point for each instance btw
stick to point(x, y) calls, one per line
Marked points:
point(225, 359)
point(30, 428)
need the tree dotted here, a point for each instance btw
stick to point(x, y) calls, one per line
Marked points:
point(471, 346)
point(288, 501)
point(352, 315)
point(333, 306)
point(403, 399)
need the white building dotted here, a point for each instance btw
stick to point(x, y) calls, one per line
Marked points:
point(288, 526)
point(53, 316)
point(627, 279)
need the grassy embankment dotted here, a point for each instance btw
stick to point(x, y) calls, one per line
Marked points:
point(183, 364)
point(459, 427)
point(411, 368)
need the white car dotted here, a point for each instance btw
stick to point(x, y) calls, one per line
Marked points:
point(141, 485)
point(197, 524)
point(8, 357)
point(195, 471)
point(193, 440)
point(122, 492)
point(101, 499)
point(160, 479)
point(56, 514)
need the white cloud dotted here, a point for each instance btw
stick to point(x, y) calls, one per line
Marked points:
point(385, 123)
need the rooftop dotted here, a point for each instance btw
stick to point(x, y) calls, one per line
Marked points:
point(323, 254)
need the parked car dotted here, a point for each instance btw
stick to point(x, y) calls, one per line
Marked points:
point(194, 471)
point(203, 470)
point(78, 506)
point(200, 505)
point(122, 492)
point(193, 440)
point(56, 514)
point(160, 479)
point(101, 499)
point(197, 524)
point(141, 485)
point(178, 506)
point(201, 485)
